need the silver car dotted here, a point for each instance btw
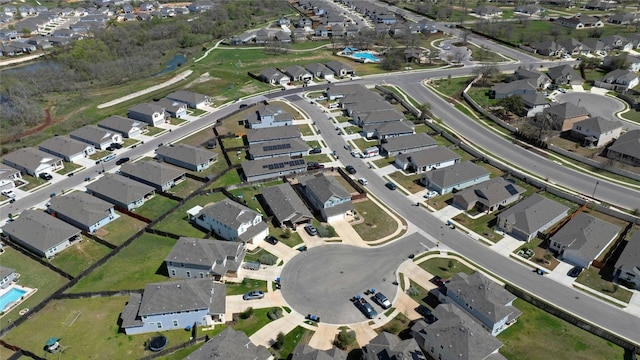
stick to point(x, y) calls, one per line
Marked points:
point(253, 295)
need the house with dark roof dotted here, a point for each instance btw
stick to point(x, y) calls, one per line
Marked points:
point(298, 73)
point(204, 258)
point(488, 196)
point(390, 346)
point(627, 148)
point(256, 136)
point(455, 177)
point(376, 118)
point(284, 204)
point(232, 221)
point(96, 136)
point(534, 103)
point(427, 160)
point(231, 344)
point(562, 116)
point(175, 109)
point(541, 80)
point(518, 87)
point(150, 113)
point(334, 91)
point(596, 131)
point(270, 168)
point(583, 239)
point(627, 267)
point(306, 352)
point(359, 98)
point(573, 47)
point(387, 130)
point(82, 210)
point(274, 77)
point(327, 196)
point(633, 61)
point(623, 18)
point(121, 191)
point(407, 144)
point(270, 116)
point(564, 75)
point(320, 71)
point(8, 176)
point(190, 98)
point(69, 149)
point(618, 80)
point(287, 147)
point(580, 22)
point(600, 5)
point(187, 156)
point(33, 161)
point(127, 127)
point(7, 275)
point(340, 69)
point(173, 305)
point(487, 11)
point(41, 233)
point(161, 177)
point(595, 46)
point(363, 109)
point(530, 216)
point(455, 335)
point(547, 48)
point(490, 304)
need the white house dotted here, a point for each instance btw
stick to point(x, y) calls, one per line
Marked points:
point(596, 131)
point(232, 221)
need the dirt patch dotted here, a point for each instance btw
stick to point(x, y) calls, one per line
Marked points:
point(48, 121)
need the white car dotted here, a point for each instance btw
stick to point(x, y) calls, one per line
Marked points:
point(363, 181)
point(9, 193)
point(430, 194)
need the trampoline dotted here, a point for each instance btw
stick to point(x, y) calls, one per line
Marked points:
point(158, 343)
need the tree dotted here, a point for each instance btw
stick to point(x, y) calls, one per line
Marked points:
point(279, 341)
point(512, 104)
point(345, 338)
point(425, 111)
point(617, 62)
point(487, 71)
point(465, 36)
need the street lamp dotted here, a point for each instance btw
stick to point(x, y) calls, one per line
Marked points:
point(594, 189)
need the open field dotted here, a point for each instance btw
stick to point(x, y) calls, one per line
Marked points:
point(377, 223)
point(445, 268)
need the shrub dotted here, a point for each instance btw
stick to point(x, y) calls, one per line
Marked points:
point(268, 259)
point(275, 314)
point(412, 291)
point(247, 313)
point(326, 231)
point(279, 341)
point(345, 338)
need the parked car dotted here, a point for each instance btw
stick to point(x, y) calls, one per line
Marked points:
point(350, 169)
point(363, 181)
point(211, 144)
point(575, 271)
point(122, 160)
point(9, 193)
point(382, 300)
point(116, 146)
point(45, 176)
point(430, 194)
point(271, 240)
point(314, 166)
point(242, 106)
point(315, 151)
point(366, 308)
point(251, 265)
point(253, 295)
point(391, 186)
point(311, 230)
point(437, 280)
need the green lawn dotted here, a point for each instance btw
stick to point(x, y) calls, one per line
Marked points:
point(147, 253)
point(32, 275)
point(396, 325)
point(591, 278)
point(445, 268)
point(349, 130)
point(561, 339)
point(343, 119)
point(452, 87)
point(99, 154)
point(319, 158)
point(185, 187)
point(231, 177)
point(118, 231)
point(245, 286)
point(483, 225)
point(377, 223)
point(126, 142)
point(410, 182)
point(154, 131)
point(177, 222)
point(232, 142)
point(69, 167)
point(305, 130)
point(314, 144)
point(33, 182)
point(422, 296)
point(255, 255)
point(80, 256)
point(292, 339)
point(293, 240)
point(481, 96)
point(255, 322)
point(155, 207)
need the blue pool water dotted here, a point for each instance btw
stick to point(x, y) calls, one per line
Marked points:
point(366, 56)
point(9, 297)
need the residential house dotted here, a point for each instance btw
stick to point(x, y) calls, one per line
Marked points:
point(407, 144)
point(190, 98)
point(387, 130)
point(622, 18)
point(596, 131)
point(270, 116)
point(534, 103)
point(8, 177)
point(390, 346)
point(368, 119)
point(33, 161)
point(564, 75)
point(82, 210)
point(547, 48)
point(538, 79)
point(627, 148)
point(454, 177)
point(306, 352)
point(285, 205)
point(427, 160)
point(321, 31)
point(618, 80)
point(632, 61)
point(595, 46)
point(41, 233)
point(274, 77)
point(204, 258)
point(272, 168)
point(232, 221)
point(360, 98)
point(340, 69)
point(69, 149)
point(262, 36)
point(149, 113)
point(200, 6)
point(298, 73)
point(600, 5)
point(416, 55)
point(529, 9)
point(320, 71)
point(173, 305)
point(627, 267)
point(618, 42)
point(573, 47)
point(514, 88)
point(299, 35)
point(580, 22)
point(256, 136)
point(162, 177)
point(362, 109)
point(122, 125)
point(175, 109)
point(490, 304)
point(562, 116)
point(488, 196)
point(487, 11)
point(99, 137)
point(121, 191)
point(455, 335)
point(327, 196)
point(334, 92)
point(8, 275)
point(304, 22)
point(187, 156)
point(231, 344)
point(289, 147)
point(387, 18)
point(530, 216)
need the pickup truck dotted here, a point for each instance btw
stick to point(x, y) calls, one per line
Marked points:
point(365, 307)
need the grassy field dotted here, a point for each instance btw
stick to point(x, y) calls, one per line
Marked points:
point(377, 223)
point(80, 256)
point(185, 187)
point(245, 286)
point(445, 268)
point(591, 278)
point(229, 178)
point(118, 231)
point(409, 182)
point(483, 225)
point(68, 168)
point(177, 222)
point(255, 322)
point(534, 327)
point(32, 275)
point(119, 273)
point(155, 207)
point(452, 87)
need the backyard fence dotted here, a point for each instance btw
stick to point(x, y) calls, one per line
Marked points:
point(181, 346)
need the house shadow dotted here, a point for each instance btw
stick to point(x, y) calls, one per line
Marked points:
point(162, 270)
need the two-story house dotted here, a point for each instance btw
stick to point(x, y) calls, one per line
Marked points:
point(232, 221)
point(270, 116)
point(327, 196)
point(627, 267)
point(204, 258)
point(127, 127)
point(149, 113)
point(596, 131)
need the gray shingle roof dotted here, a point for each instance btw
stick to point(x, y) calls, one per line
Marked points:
point(586, 234)
point(285, 203)
point(629, 259)
point(295, 71)
point(628, 144)
point(456, 174)
point(429, 156)
point(151, 171)
point(186, 153)
point(317, 68)
point(278, 147)
point(531, 213)
point(183, 295)
point(147, 108)
point(92, 133)
point(566, 111)
point(129, 314)
point(120, 188)
point(63, 145)
point(6, 271)
point(188, 97)
point(324, 187)
point(7, 172)
point(275, 133)
point(380, 116)
point(563, 70)
point(30, 158)
point(491, 192)
point(40, 230)
point(409, 142)
point(230, 213)
point(274, 165)
point(306, 352)
point(390, 346)
point(121, 124)
point(599, 124)
point(336, 90)
point(276, 111)
point(81, 207)
point(337, 66)
point(204, 252)
point(230, 344)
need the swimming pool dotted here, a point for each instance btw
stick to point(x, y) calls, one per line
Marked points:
point(11, 296)
point(365, 56)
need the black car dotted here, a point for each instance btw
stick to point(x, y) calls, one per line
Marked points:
point(391, 186)
point(122, 160)
point(45, 176)
point(242, 106)
point(271, 239)
point(109, 148)
point(351, 170)
point(116, 146)
point(575, 271)
point(315, 151)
